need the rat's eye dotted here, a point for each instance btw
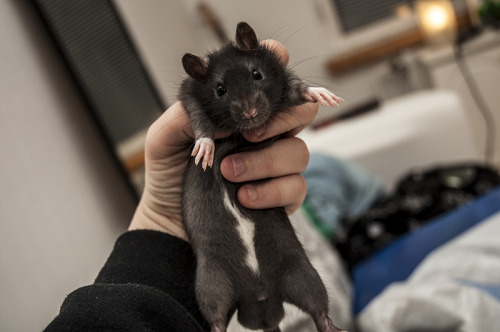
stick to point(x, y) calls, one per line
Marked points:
point(256, 75)
point(221, 90)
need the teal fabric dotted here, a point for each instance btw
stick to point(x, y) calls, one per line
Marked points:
point(337, 189)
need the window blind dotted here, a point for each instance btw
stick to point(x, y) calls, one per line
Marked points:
point(105, 64)
point(357, 14)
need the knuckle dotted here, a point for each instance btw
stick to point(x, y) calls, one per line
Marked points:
point(301, 153)
point(280, 194)
point(296, 191)
point(268, 163)
point(302, 187)
point(304, 152)
point(298, 197)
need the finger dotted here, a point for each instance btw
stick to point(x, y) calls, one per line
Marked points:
point(284, 157)
point(337, 99)
point(211, 158)
point(290, 121)
point(319, 93)
point(196, 148)
point(277, 48)
point(288, 192)
point(329, 98)
point(206, 159)
point(318, 97)
point(171, 133)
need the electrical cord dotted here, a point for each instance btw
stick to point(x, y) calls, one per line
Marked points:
point(479, 100)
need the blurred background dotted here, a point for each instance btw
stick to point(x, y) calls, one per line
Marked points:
point(81, 81)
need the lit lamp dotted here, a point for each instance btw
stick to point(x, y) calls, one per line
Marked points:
point(437, 20)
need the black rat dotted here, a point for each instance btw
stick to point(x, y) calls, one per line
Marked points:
point(249, 260)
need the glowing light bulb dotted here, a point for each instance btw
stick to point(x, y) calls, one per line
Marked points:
point(436, 17)
point(437, 20)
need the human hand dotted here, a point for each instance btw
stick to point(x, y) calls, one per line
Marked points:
point(167, 153)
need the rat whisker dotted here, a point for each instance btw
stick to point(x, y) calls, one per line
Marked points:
point(297, 31)
point(292, 66)
point(275, 34)
point(289, 124)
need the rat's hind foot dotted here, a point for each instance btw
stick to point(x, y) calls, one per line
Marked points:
point(324, 323)
point(218, 326)
point(323, 96)
point(204, 148)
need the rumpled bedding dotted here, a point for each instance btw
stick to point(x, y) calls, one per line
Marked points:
point(456, 288)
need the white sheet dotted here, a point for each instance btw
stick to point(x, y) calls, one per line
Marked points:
point(442, 294)
point(417, 130)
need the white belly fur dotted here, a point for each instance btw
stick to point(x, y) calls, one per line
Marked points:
point(246, 231)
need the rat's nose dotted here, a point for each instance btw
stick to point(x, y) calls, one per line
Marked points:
point(251, 113)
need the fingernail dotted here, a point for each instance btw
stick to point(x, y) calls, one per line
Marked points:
point(238, 166)
point(252, 193)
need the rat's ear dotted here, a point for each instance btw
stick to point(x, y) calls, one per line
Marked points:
point(246, 39)
point(195, 66)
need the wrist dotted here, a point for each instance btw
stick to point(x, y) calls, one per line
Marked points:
point(147, 217)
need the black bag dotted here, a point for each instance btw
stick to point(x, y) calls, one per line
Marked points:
point(419, 197)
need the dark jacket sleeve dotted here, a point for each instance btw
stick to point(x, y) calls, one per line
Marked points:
point(147, 284)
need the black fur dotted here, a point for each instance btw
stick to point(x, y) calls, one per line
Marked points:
point(223, 281)
point(232, 67)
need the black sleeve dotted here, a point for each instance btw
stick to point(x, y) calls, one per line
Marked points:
point(147, 284)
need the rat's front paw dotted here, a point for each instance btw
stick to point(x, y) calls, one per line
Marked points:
point(204, 148)
point(323, 96)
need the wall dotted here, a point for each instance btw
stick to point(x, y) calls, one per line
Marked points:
point(165, 30)
point(301, 26)
point(62, 203)
point(482, 60)
point(162, 33)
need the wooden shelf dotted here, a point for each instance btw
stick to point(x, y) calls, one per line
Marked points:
point(375, 52)
point(372, 53)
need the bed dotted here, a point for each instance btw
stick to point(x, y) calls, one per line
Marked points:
point(446, 275)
